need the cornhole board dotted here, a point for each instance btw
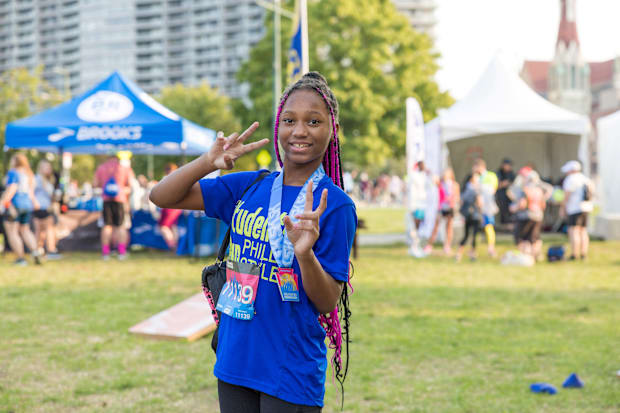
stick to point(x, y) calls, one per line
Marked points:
point(189, 320)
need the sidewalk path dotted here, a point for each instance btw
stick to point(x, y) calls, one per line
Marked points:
point(381, 239)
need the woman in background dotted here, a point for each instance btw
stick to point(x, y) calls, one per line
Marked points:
point(45, 232)
point(449, 199)
point(471, 209)
point(17, 203)
point(169, 218)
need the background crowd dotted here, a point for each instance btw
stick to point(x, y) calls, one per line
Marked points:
point(31, 205)
point(524, 203)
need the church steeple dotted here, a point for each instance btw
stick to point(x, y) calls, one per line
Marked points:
point(568, 25)
point(569, 73)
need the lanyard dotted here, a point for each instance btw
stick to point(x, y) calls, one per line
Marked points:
point(281, 246)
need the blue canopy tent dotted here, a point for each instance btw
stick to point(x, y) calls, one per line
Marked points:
point(114, 115)
point(117, 115)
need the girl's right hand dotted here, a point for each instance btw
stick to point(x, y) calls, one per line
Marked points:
point(225, 151)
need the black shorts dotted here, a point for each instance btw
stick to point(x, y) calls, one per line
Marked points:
point(578, 220)
point(530, 231)
point(41, 214)
point(113, 213)
point(447, 213)
point(235, 399)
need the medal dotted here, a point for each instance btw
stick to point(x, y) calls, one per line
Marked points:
point(281, 246)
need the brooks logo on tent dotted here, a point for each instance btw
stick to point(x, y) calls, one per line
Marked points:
point(61, 134)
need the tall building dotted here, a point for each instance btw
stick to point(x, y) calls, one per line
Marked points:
point(421, 14)
point(589, 88)
point(154, 42)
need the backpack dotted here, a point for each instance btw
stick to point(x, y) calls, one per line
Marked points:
point(111, 188)
point(587, 192)
point(214, 275)
point(555, 253)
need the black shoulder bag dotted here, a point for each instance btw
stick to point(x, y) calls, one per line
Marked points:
point(214, 275)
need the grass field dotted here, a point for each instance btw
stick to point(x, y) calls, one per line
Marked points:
point(428, 336)
point(382, 220)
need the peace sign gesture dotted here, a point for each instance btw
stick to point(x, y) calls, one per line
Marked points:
point(304, 233)
point(225, 151)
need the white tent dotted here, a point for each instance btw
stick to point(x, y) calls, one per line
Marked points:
point(502, 117)
point(608, 222)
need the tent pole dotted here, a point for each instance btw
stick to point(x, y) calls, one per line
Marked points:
point(5, 153)
point(150, 166)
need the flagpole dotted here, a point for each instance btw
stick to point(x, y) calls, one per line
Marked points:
point(277, 66)
point(305, 58)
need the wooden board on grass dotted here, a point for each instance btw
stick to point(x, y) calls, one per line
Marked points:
point(189, 320)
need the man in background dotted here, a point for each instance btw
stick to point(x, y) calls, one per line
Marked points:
point(488, 187)
point(505, 177)
point(418, 198)
point(578, 193)
point(114, 180)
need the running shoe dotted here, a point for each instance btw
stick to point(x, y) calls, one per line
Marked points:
point(53, 256)
point(37, 257)
point(21, 262)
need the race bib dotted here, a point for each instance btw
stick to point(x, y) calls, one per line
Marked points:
point(288, 283)
point(239, 292)
point(111, 188)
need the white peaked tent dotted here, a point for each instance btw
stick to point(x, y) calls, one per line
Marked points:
point(502, 117)
point(608, 221)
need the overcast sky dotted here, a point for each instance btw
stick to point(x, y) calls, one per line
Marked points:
point(470, 32)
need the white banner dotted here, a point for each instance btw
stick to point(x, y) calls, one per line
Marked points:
point(415, 133)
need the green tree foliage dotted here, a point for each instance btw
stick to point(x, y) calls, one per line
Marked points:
point(373, 60)
point(23, 93)
point(202, 105)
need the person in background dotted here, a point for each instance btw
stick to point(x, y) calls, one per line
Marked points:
point(505, 177)
point(488, 187)
point(113, 178)
point(449, 200)
point(168, 219)
point(349, 184)
point(45, 231)
point(531, 205)
point(396, 189)
point(17, 203)
point(578, 190)
point(471, 209)
point(418, 195)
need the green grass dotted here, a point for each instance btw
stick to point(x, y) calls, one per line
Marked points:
point(382, 220)
point(428, 336)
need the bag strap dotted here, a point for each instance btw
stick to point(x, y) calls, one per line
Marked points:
point(226, 241)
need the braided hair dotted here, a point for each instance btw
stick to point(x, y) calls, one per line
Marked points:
point(336, 323)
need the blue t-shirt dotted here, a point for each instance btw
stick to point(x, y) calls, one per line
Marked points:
point(281, 351)
point(21, 200)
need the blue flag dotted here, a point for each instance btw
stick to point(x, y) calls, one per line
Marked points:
point(296, 52)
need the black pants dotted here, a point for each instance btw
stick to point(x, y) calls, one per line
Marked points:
point(237, 399)
point(472, 225)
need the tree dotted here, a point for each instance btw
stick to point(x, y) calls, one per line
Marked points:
point(373, 60)
point(200, 104)
point(22, 93)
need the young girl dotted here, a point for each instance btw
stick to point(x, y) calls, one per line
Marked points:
point(18, 202)
point(289, 250)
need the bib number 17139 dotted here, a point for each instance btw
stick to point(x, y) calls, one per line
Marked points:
point(239, 292)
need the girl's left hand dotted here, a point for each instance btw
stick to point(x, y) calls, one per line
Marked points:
point(304, 233)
